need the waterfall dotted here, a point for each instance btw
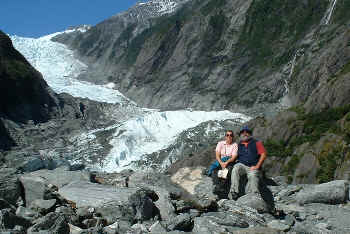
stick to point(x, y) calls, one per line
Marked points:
point(285, 101)
point(329, 13)
point(293, 65)
point(298, 53)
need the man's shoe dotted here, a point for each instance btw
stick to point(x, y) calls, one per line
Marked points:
point(233, 196)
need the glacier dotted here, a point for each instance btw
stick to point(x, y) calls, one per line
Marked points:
point(155, 131)
point(142, 134)
point(60, 68)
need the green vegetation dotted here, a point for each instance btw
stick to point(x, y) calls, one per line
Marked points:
point(278, 149)
point(341, 12)
point(317, 124)
point(300, 110)
point(345, 69)
point(16, 69)
point(292, 164)
point(212, 36)
point(211, 6)
point(270, 23)
point(329, 159)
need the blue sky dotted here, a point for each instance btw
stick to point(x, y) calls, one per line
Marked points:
point(35, 18)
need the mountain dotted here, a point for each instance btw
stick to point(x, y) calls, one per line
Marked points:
point(212, 54)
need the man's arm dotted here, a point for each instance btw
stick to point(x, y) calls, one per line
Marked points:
point(232, 159)
point(262, 152)
point(259, 164)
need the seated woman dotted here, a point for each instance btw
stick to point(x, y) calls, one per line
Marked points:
point(226, 152)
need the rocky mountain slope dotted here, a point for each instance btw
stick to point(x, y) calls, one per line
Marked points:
point(24, 94)
point(216, 54)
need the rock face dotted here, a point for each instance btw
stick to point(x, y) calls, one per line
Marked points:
point(213, 54)
point(24, 93)
point(10, 189)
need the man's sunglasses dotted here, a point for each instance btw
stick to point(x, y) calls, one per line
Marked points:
point(229, 135)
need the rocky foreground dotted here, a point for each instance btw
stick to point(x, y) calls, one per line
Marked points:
point(64, 198)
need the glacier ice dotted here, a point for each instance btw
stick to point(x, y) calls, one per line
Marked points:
point(155, 131)
point(60, 69)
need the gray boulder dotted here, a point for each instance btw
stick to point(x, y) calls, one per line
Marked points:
point(162, 186)
point(278, 225)
point(114, 212)
point(43, 206)
point(199, 187)
point(182, 222)
point(254, 201)
point(60, 176)
point(248, 214)
point(8, 220)
point(38, 184)
point(10, 189)
point(334, 192)
point(218, 222)
point(142, 204)
point(51, 223)
point(86, 194)
point(163, 181)
point(193, 181)
point(34, 188)
point(27, 213)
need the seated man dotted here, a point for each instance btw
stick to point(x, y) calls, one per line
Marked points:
point(250, 157)
point(225, 152)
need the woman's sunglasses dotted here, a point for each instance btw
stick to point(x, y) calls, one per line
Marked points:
point(229, 135)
